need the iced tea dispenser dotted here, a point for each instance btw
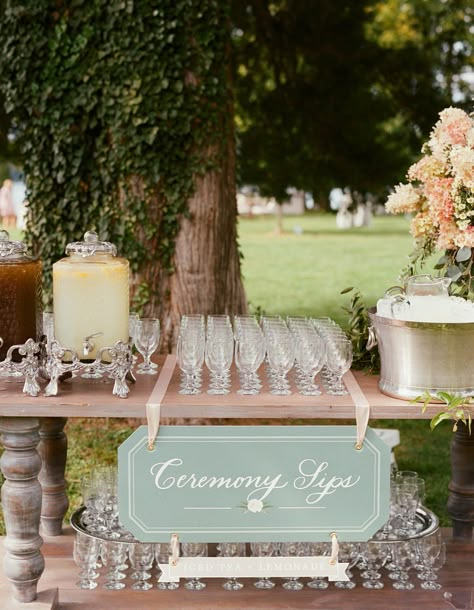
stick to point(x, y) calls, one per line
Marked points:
point(20, 294)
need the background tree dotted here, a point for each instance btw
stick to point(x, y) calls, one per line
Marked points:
point(342, 92)
point(124, 114)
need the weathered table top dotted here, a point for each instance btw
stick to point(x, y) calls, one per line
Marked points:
point(90, 398)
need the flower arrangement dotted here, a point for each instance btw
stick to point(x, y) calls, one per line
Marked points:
point(440, 195)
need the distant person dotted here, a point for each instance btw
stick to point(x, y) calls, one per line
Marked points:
point(19, 203)
point(7, 210)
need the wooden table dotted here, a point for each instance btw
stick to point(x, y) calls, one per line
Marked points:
point(33, 463)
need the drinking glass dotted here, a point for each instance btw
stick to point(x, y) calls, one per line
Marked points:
point(162, 555)
point(263, 549)
point(338, 360)
point(293, 549)
point(319, 549)
point(249, 355)
point(348, 553)
point(404, 558)
point(147, 340)
point(218, 357)
point(113, 556)
point(190, 358)
point(194, 549)
point(232, 549)
point(85, 553)
point(94, 499)
point(310, 357)
point(141, 555)
point(375, 555)
point(281, 357)
point(432, 554)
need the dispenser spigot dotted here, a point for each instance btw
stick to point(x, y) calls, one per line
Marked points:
point(88, 345)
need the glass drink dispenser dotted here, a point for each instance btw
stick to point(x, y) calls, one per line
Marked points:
point(20, 294)
point(91, 297)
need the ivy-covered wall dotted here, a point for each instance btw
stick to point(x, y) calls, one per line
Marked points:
point(114, 102)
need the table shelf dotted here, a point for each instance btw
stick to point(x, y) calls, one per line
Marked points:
point(86, 398)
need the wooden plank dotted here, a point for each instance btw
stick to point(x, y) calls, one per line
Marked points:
point(61, 572)
point(85, 398)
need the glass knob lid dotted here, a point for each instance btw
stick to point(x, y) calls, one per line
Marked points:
point(90, 246)
point(10, 248)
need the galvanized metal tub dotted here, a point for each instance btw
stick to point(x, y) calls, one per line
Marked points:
point(417, 357)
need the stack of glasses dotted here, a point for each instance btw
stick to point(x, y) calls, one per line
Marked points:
point(308, 346)
point(406, 542)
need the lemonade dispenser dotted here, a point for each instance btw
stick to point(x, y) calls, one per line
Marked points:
point(91, 297)
point(20, 294)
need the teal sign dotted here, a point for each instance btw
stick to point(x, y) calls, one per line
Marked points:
point(253, 483)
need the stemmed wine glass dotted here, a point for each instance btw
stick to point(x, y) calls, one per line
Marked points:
point(232, 549)
point(263, 549)
point(293, 549)
point(85, 553)
point(281, 357)
point(147, 339)
point(249, 355)
point(113, 556)
point(338, 361)
point(141, 555)
point(194, 549)
point(190, 358)
point(404, 558)
point(162, 554)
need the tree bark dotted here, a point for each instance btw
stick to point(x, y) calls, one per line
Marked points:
point(207, 276)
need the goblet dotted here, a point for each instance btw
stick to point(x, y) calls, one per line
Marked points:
point(162, 554)
point(263, 549)
point(141, 556)
point(232, 549)
point(194, 549)
point(85, 554)
point(293, 549)
point(113, 556)
point(146, 340)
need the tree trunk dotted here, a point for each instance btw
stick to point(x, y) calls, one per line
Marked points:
point(207, 275)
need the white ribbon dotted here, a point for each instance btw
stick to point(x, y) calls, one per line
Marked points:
point(153, 405)
point(362, 407)
point(334, 549)
point(174, 549)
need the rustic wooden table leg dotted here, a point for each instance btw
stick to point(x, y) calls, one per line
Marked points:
point(461, 486)
point(53, 452)
point(21, 500)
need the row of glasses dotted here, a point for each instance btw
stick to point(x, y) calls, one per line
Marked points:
point(426, 555)
point(250, 352)
point(338, 355)
point(310, 353)
point(280, 354)
point(219, 353)
point(190, 349)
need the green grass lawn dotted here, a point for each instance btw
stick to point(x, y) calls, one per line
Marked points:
point(303, 274)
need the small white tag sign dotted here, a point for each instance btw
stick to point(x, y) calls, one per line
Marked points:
point(251, 567)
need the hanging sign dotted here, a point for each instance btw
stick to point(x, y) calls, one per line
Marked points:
point(253, 484)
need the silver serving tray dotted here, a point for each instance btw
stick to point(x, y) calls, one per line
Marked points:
point(427, 524)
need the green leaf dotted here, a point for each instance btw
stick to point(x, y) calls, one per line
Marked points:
point(454, 272)
point(437, 419)
point(464, 254)
point(346, 290)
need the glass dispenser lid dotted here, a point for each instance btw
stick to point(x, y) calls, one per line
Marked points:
point(10, 248)
point(90, 246)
